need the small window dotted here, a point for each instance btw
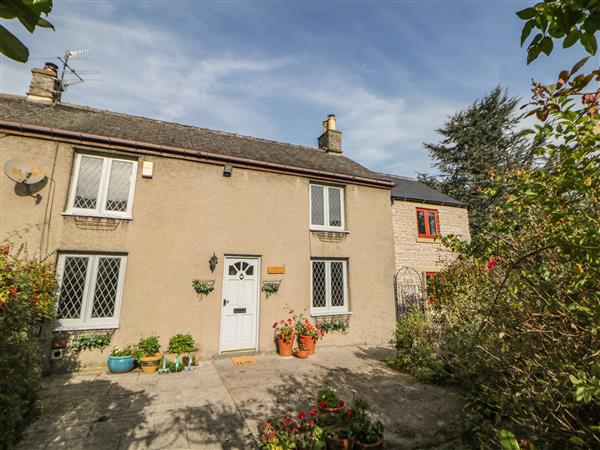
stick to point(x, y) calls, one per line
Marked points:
point(428, 225)
point(102, 186)
point(326, 207)
point(329, 286)
point(90, 292)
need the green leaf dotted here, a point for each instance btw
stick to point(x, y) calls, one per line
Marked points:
point(28, 17)
point(579, 65)
point(527, 30)
point(571, 38)
point(577, 441)
point(7, 11)
point(12, 47)
point(45, 24)
point(39, 6)
point(508, 441)
point(533, 53)
point(547, 45)
point(589, 43)
point(527, 13)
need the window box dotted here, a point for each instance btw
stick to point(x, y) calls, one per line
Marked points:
point(326, 208)
point(329, 287)
point(91, 288)
point(102, 187)
point(428, 223)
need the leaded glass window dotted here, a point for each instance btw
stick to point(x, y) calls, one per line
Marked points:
point(329, 286)
point(326, 207)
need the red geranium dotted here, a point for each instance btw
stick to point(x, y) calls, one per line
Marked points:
point(323, 404)
point(492, 263)
point(301, 415)
point(314, 412)
point(349, 413)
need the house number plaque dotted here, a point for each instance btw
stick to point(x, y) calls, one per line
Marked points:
point(276, 269)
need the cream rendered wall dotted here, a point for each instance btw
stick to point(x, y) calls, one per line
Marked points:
point(187, 212)
point(422, 254)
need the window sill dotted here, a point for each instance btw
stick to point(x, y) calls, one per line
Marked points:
point(84, 327)
point(328, 230)
point(330, 313)
point(97, 216)
point(430, 240)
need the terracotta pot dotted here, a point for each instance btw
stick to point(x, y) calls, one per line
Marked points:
point(341, 405)
point(374, 446)
point(339, 444)
point(150, 364)
point(285, 348)
point(302, 354)
point(307, 342)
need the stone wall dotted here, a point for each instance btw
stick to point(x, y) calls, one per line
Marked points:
point(425, 255)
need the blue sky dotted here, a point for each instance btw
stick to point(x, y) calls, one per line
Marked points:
point(391, 71)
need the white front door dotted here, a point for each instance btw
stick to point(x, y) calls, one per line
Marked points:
point(239, 311)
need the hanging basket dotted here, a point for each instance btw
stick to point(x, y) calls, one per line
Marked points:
point(203, 287)
point(271, 287)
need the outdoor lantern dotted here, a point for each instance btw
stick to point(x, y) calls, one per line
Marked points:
point(212, 262)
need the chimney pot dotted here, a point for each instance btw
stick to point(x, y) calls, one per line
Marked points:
point(44, 84)
point(331, 139)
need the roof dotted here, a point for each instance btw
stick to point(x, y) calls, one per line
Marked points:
point(412, 190)
point(107, 124)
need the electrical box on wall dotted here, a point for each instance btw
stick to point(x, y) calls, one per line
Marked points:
point(147, 169)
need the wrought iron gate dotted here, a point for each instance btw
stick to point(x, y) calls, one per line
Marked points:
point(410, 290)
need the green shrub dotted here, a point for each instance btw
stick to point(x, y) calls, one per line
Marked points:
point(182, 343)
point(147, 347)
point(27, 294)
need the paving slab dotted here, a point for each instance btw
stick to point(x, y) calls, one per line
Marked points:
point(219, 405)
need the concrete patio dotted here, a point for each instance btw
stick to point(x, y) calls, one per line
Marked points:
point(218, 405)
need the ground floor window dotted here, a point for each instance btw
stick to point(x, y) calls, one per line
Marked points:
point(329, 286)
point(91, 287)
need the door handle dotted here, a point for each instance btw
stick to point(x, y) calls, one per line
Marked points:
point(225, 302)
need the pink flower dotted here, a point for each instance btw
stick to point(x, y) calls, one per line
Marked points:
point(491, 263)
point(275, 324)
point(289, 319)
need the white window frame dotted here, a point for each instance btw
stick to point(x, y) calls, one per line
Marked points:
point(326, 226)
point(328, 309)
point(86, 322)
point(100, 210)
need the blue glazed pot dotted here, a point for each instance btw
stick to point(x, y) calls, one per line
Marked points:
point(120, 364)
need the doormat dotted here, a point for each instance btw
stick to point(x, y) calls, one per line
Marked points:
point(243, 360)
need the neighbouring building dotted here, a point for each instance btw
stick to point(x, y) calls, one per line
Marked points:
point(133, 210)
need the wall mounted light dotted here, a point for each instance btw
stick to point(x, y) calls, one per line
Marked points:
point(212, 262)
point(227, 170)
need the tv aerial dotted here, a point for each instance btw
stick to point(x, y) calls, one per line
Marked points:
point(68, 71)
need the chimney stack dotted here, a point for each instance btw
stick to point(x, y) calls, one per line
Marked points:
point(331, 139)
point(44, 84)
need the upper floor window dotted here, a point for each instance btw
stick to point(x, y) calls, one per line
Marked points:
point(90, 291)
point(102, 186)
point(329, 286)
point(428, 223)
point(326, 207)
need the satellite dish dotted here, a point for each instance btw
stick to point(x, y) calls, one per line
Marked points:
point(24, 171)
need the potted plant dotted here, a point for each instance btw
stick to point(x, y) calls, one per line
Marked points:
point(339, 430)
point(284, 336)
point(329, 401)
point(368, 433)
point(121, 359)
point(302, 352)
point(302, 432)
point(149, 349)
point(184, 346)
point(307, 333)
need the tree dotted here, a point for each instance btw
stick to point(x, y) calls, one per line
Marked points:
point(477, 142)
point(29, 13)
point(569, 20)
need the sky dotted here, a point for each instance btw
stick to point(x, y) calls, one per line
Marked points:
point(391, 71)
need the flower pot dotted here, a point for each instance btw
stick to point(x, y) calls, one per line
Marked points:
point(341, 405)
point(150, 364)
point(373, 446)
point(307, 342)
point(120, 364)
point(339, 444)
point(302, 354)
point(285, 348)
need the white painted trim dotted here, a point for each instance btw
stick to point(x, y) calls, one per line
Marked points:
point(102, 193)
point(85, 321)
point(326, 226)
point(223, 293)
point(328, 310)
